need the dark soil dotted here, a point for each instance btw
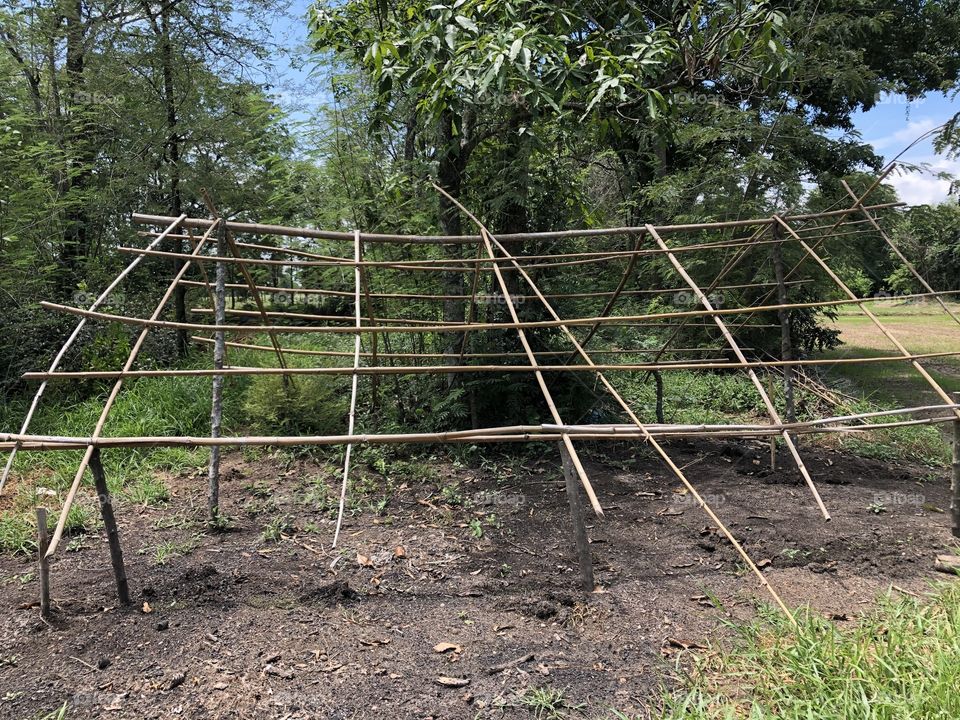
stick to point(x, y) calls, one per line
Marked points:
point(239, 626)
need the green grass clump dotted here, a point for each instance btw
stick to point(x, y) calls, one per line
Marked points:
point(900, 662)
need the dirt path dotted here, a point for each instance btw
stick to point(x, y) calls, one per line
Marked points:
point(245, 628)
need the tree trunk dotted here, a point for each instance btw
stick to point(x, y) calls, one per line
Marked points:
point(450, 177)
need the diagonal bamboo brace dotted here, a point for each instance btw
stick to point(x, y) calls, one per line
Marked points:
point(771, 410)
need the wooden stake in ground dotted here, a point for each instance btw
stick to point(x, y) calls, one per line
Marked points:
point(110, 525)
point(216, 400)
point(44, 568)
point(576, 516)
point(955, 486)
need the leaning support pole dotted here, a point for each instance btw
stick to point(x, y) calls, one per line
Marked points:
point(110, 524)
point(955, 485)
point(771, 410)
point(903, 258)
point(115, 391)
point(216, 400)
point(44, 562)
point(581, 542)
point(76, 333)
point(652, 441)
point(353, 390)
point(934, 385)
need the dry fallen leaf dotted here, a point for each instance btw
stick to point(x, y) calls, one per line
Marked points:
point(364, 560)
point(447, 647)
point(146, 607)
point(452, 681)
point(399, 552)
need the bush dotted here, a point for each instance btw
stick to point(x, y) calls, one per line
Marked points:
point(306, 406)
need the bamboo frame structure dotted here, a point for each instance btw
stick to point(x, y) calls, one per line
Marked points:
point(410, 317)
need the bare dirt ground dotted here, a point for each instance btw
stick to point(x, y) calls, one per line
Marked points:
point(244, 627)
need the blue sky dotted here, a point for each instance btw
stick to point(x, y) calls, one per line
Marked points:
point(895, 123)
point(890, 126)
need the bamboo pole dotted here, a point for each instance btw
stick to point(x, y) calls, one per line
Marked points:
point(934, 385)
point(432, 297)
point(216, 396)
point(43, 562)
point(110, 525)
point(434, 356)
point(903, 258)
point(466, 264)
point(771, 410)
point(610, 254)
point(955, 485)
point(534, 433)
point(261, 229)
point(353, 390)
point(547, 396)
point(647, 436)
point(68, 343)
point(333, 318)
point(203, 272)
point(383, 329)
point(455, 369)
point(131, 358)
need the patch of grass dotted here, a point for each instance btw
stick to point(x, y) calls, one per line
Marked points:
point(17, 535)
point(546, 703)
point(276, 528)
point(167, 551)
point(148, 490)
point(896, 663)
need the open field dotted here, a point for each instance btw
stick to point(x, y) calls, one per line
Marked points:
point(922, 328)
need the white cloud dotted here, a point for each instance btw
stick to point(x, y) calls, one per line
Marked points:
point(903, 137)
point(923, 187)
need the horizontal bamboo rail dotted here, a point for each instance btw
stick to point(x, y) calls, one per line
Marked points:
point(340, 259)
point(261, 229)
point(433, 297)
point(456, 369)
point(614, 319)
point(438, 356)
point(468, 265)
point(546, 432)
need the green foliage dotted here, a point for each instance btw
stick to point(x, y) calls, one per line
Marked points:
point(306, 405)
point(899, 661)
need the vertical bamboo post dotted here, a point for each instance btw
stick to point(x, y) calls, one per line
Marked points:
point(576, 516)
point(42, 541)
point(955, 485)
point(786, 334)
point(357, 281)
point(773, 438)
point(110, 524)
point(216, 404)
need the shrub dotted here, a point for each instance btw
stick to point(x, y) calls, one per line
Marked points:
point(307, 405)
